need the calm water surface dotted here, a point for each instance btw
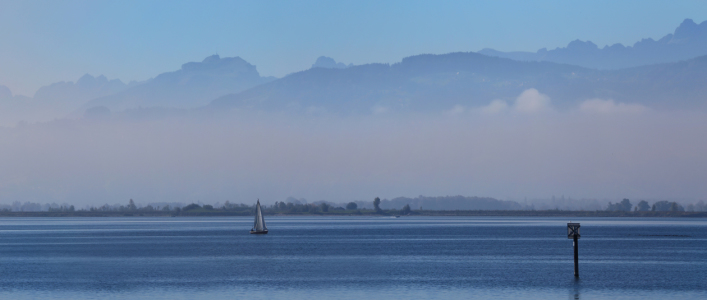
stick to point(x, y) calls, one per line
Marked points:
point(351, 258)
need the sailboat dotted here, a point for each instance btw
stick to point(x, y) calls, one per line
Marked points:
point(259, 225)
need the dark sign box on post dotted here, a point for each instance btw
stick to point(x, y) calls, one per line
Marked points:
point(572, 229)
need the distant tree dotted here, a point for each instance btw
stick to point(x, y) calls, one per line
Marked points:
point(192, 206)
point(71, 208)
point(673, 206)
point(624, 205)
point(324, 206)
point(690, 207)
point(208, 207)
point(662, 206)
point(131, 205)
point(643, 206)
point(406, 209)
point(376, 204)
point(668, 206)
point(700, 206)
point(352, 206)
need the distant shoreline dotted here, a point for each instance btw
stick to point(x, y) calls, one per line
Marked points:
point(389, 213)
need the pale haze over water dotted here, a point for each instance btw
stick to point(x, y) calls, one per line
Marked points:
point(240, 157)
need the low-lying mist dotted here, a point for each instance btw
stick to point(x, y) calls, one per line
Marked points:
point(514, 151)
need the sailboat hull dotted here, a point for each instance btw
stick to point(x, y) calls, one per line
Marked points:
point(259, 232)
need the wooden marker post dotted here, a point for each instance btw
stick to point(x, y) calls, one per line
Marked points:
point(573, 233)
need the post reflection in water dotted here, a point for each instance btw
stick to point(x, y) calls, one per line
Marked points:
point(576, 287)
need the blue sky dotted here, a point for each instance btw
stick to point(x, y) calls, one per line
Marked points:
point(49, 41)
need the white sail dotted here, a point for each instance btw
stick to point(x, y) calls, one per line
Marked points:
point(259, 224)
point(262, 221)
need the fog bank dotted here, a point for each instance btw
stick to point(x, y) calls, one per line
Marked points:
point(511, 151)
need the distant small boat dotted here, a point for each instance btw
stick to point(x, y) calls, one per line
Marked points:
point(259, 225)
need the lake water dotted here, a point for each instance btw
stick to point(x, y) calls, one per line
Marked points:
point(351, 258)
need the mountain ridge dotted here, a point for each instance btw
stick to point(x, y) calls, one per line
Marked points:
point(689, 40)
point(439, 82)
point(193, 85)
point(55, 100)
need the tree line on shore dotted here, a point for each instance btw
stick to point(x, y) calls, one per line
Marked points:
point(293, 206)
point(625, 205)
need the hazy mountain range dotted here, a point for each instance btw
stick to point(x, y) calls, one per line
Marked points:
point(56, 100)
point(441, 82)
point(195, 84)
point(421, 83)
point(688, 41)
